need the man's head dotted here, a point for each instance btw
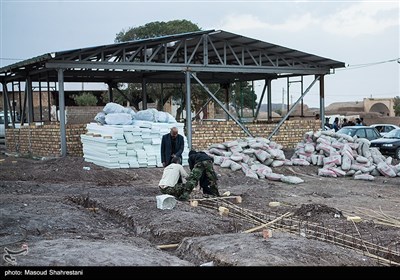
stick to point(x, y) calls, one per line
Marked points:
point(176, 160)
point(192, 152)
point(174, 132)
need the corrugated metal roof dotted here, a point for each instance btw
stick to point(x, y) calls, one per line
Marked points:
point(219, 34)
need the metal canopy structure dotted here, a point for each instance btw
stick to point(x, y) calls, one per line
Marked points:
point(204, 57)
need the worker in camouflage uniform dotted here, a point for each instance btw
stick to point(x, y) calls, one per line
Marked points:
point(171, 181)
point(201, 164)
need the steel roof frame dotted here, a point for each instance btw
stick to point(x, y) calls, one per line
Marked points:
point(210, 56)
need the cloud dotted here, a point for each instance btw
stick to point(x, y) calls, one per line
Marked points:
point(237, 23)
point(363, 19)
point(358, 19)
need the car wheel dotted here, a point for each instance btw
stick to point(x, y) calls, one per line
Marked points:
point(397, 153)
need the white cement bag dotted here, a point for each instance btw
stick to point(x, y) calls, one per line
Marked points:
point(100, 118)
point(236, 149)
point(385, 169)
point(326, 172)
point(226, 163)
point(252, 174)
point(389, 160)
point(268, 162)
point(216, 151)
point(256, 145)
point(320, 160)
point(366, 177)
point(235, 166)
point(231, 143)
point(368, 169)
point(277, 163)
point(298, 161)
point(273, 176)
point(236, 157)
point(338, 172)
point(262, 155)
point(346, 162)
point(227, 153)
point(218, 160)
point(248, 151)
point(361, 159)
point(112, 108)
point(309, 148)
point(314, 159)
point(118, 118)
point(217, 146)
point(292, 180)
point(375, 172)
point(336, 159)
point(350, 172)
point(266, 170)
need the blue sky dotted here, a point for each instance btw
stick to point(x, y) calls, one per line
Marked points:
point(359, 33)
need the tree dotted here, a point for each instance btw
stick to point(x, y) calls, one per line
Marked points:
point(243, 96)
point(396, 105)
point(157, 92)
point(86, 99)
point(156, 29)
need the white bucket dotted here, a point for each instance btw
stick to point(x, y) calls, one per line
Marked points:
point(165, 201)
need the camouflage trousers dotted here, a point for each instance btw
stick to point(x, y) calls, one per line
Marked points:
point(180, 191)
point(198, 169)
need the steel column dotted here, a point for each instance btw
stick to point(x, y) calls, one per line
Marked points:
point(322, 101)
point(269, 98)
point(188, 111)
point(144, 94)
point(30, 99)
point(61, 103)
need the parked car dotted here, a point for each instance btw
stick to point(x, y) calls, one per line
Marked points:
point(389, 144)
point(384, 128)
point(367, 132)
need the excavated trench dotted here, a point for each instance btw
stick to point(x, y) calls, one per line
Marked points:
point(192, 238)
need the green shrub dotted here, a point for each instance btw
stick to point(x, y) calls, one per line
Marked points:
point(86, 99)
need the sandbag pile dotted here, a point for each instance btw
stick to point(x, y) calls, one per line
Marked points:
point(116, 114)
point(254, 156)
point(342, 155)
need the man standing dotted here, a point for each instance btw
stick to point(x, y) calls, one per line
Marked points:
point(200, 163)
point(169, 183)
point(171, 146)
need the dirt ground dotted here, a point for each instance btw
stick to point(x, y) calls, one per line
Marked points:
point(68, 215)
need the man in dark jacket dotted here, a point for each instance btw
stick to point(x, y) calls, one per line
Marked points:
point(171, 146)
point(202, 165)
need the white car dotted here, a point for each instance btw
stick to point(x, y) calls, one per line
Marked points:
point(384, 128)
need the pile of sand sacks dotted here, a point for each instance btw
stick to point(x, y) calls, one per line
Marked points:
point(342, 155)
point(337, 154)
point(253, 156)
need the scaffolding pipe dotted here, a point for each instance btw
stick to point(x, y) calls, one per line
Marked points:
point(223, 107)
point(292, 109)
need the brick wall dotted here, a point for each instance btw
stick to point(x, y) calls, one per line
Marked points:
point(44, 140)
point(82, 114)
point(289, 134)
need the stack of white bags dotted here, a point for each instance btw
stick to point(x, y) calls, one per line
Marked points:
point(122, 138)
